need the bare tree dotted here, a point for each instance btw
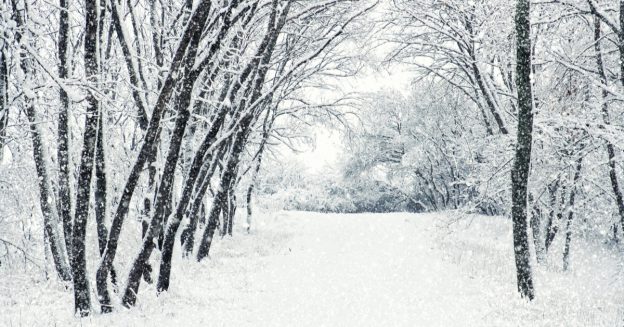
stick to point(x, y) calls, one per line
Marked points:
point(522, 159)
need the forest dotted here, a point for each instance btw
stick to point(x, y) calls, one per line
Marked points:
point(147, 145)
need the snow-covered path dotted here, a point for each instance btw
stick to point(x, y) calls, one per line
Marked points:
point(308, 269)
point(360, 271)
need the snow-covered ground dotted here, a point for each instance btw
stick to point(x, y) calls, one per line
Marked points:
point(308, 269)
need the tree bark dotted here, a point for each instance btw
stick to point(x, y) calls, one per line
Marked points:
point(163, 200)
point(203, 181)
point(229, 92)
point(243, 129)
point(64, 199)
point(615, 185)
point(100, 186)
point(522, 160)
point(488, 97)
point(4, 97)
point(568, 239)
point(50, 217)
point(254, 177)
point(220, 199)
point(550, 229)
point(132, 71)
point(195, 24)
point(79, 263)
point(621, 41)
point(536, 229)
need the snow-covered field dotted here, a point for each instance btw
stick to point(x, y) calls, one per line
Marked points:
point(308, 269)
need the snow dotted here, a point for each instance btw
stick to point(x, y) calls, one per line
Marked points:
point(311, 269)
point(6, 156)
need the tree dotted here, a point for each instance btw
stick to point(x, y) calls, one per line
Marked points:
point(85, 174)
point(522, 159)
point(50, 216)
point(64, 198)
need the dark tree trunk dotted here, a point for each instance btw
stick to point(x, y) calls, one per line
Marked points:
point(152, 190)
point(213, 222)
point(101, 192)
point(198, 161)
point(203, 181)
point(228, 175)
point(249, 208)
point(522, 161)
point(487, 96)
point(195, 25)
point(615, 185)
point(100, 186)
point(550, 228)
point(256, 170)
point(64, 199)
point(229, 210)
point(79, 261)
point(486, 121)
point(165, 264)
point(4, 98)
point(163, 200)
point(50, 218)
point(568, 239)
point(488, 99)
point(243, 131)
point(134, 77)
point(232, 209)
point(536, 229)
point(621, 41)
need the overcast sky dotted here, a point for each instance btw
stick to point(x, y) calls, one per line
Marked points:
point(328, 148)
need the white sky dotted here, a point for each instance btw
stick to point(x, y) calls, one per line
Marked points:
point(328, 146)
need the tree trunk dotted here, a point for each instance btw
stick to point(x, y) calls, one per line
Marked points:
point(79, 261)
point(230, 209)
point(522, 161)
point(256, 170)
point(100, 187)
point(64, 198)
point(101, 192)
point(550, 229)
point(245, 123)
point(195, 25)
point(203, 181)
point(4, 97)
point(249, 208)
point(164, 276)
point(163, 200)
point(536, 229)
point(50, 217)
point(132, 71)
point(615, 185)
point(568, 239)
point(621, 41)
point(485, 92)
point(229, 92)
point(220, 198)
point(488, 98)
